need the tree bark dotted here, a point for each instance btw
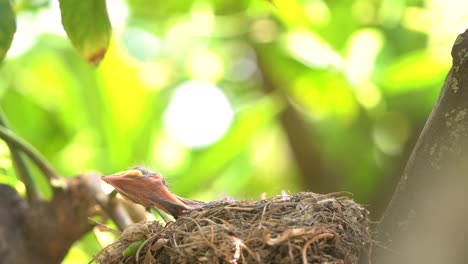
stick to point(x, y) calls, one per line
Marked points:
point(43, 231)
point(425, 221)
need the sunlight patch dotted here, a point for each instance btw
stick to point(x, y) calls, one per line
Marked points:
point(198, 115)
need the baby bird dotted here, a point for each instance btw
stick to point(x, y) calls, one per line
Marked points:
point(150, 189)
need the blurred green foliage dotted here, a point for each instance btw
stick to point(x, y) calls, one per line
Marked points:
point(363, 74)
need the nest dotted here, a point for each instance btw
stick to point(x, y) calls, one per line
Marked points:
point(303, 228)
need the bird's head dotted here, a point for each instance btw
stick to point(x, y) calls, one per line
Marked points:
point(147, 188)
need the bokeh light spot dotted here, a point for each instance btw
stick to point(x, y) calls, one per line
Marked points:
point(141, 44)
point(155, 75)
point(206, 66)
point(362, 50)
point(198, 115)
point(318, 12)
point(313, 51)
point(264, 31)
point(242, 69)
point(169, 154)
point(368, 95)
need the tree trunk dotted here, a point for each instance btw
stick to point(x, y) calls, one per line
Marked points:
point(426, 220)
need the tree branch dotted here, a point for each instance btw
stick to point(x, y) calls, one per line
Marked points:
point(31, 152)
point(21, 167)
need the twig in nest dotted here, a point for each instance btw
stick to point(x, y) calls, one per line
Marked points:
point(288, 234)
point(239, 245)
point(312, 240)
point(202, 235)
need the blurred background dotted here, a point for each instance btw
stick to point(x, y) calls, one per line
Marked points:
point(234, 98)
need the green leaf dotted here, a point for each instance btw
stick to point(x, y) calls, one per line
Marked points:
point(414, 71)
point(7, 26)
point(88, 27)
point(132, 249)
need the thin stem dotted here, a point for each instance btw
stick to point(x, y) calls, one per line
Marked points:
point(31, 152)
point(114, 210)
point(21, 167)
